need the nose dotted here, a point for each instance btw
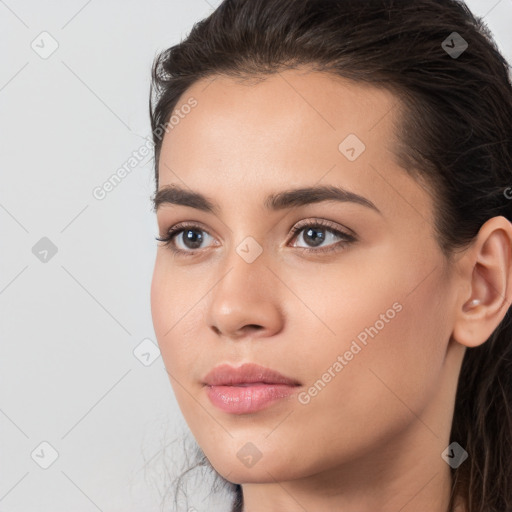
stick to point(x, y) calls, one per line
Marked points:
point(245, 302)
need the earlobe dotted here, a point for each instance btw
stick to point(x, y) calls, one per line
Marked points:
point(488, 272)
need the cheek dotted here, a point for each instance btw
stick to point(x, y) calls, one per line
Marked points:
point(162, 300)
point(172, 313)
point(385, 304)
point(391, 338)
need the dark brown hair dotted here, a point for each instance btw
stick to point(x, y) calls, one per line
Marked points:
point(455, 133)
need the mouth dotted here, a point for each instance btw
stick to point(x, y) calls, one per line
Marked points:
point(248, 388)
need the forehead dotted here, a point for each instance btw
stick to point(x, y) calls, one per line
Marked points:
point(298, 127)
point(287, 103)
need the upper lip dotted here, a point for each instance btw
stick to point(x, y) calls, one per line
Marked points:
point(226, 375)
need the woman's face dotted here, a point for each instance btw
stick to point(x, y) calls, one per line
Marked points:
point(361, 322)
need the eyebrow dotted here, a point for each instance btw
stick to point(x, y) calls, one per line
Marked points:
point(293, 198)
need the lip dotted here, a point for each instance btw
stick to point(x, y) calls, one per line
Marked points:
point(247, 388)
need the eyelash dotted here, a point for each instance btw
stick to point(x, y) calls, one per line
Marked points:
point(179, 228)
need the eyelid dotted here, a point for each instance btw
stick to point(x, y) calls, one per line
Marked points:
point(333, 226)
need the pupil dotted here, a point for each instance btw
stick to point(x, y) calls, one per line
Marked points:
point(316, 239)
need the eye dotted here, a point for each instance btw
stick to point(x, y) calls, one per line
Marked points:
point(192, 239)
point(314, 234)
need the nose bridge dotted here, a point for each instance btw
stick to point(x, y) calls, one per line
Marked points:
point(246, 273)
point(244, 295)
point(247, 251)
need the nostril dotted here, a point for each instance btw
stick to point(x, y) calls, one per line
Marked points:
point(252, 328)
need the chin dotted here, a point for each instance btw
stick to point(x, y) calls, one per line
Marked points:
point(255, 475)
point(267, 469)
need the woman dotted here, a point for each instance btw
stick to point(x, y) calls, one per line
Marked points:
point(331, 295)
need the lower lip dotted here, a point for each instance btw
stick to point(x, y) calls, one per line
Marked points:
point(247, 399)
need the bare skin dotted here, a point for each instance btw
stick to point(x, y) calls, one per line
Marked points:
point(371, 439)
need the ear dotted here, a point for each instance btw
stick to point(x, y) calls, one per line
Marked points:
point(486, 290)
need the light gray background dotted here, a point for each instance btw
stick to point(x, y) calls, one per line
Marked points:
point(69, 326)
